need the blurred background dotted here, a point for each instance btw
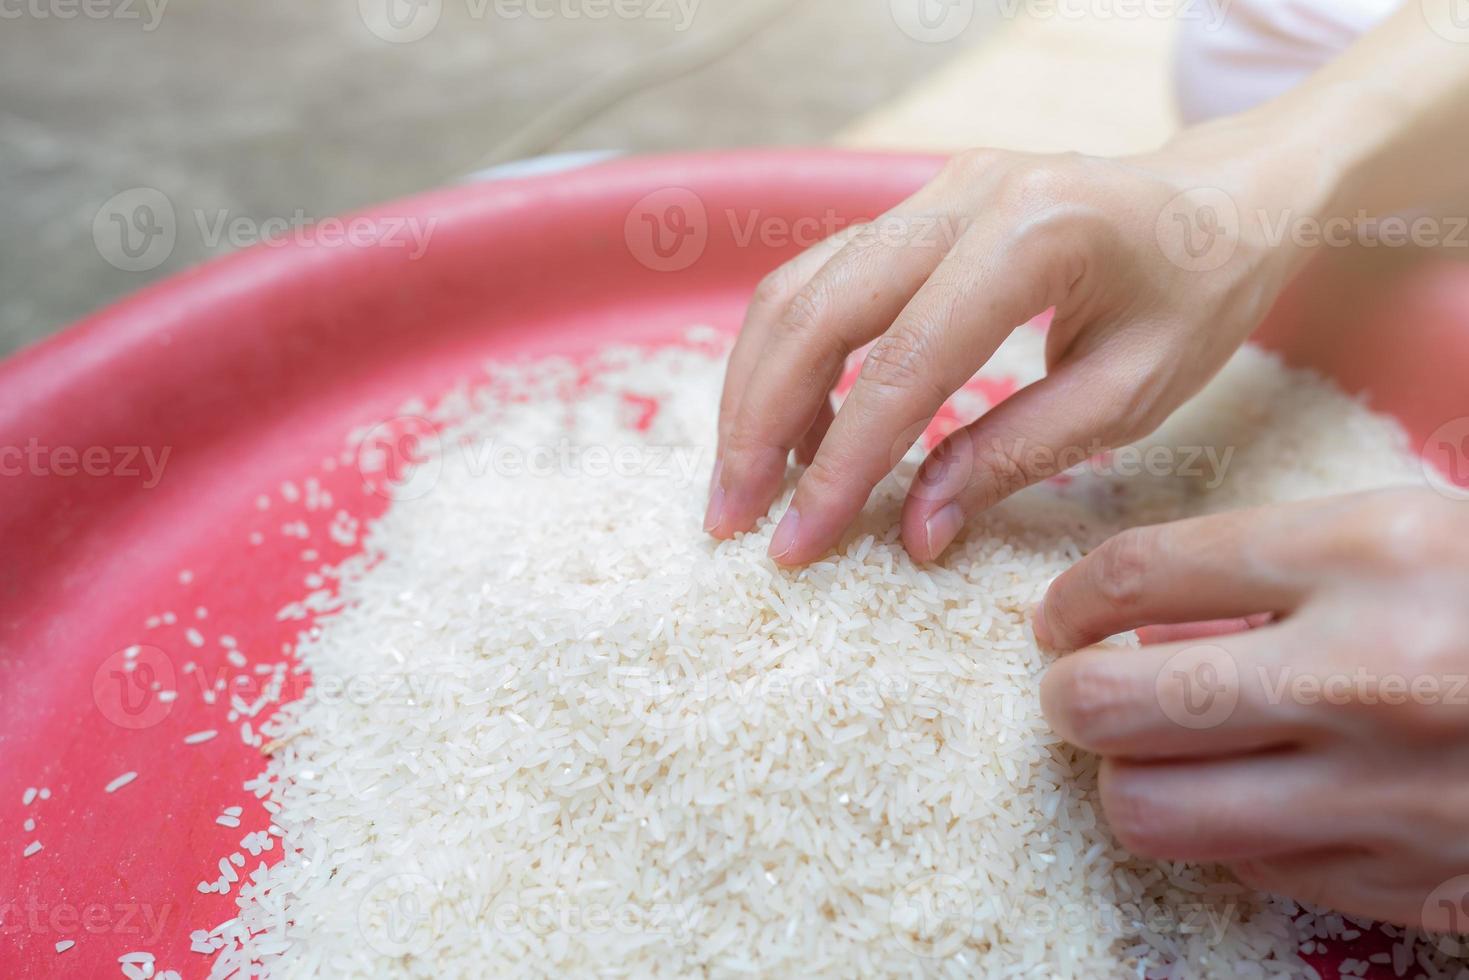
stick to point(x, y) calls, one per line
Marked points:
point(139, 137)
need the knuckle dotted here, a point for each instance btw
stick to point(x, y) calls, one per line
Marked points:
point(970, 164)
point(741, 449)
point(776, 288)
point(1141, 398)
point(1426, 703)
point(857, 235)
point(1424, 720)
point(823, 477)
point(804, 313)
point(1001, 468)
point(899, 361)
point(1394, 530)
point(1403, 676)
point(1407, 531)
point(1032, 185)
point(1120, 568)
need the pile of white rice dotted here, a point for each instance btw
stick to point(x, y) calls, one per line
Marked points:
point(556, 729)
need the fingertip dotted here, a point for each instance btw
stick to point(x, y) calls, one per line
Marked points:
point(716, 474)
point(930, 526)
point(714, 515)
point(927, 533)
point(750, 481)
point(1044, 636)
point(941, 528)
point(1052, 698)
point(802, 536)
point(819, 517)
point(784, 540)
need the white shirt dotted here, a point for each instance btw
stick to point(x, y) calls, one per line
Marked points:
point(1260, 48)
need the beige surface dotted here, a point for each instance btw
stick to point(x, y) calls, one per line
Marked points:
point(1096, 85)
point(278, 110)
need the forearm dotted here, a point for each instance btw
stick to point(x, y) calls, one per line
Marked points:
point(1384, 128)
point(1382, 131)
point(1390, 118)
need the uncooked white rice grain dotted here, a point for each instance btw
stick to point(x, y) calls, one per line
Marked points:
point(120, 782)
point(838, 771)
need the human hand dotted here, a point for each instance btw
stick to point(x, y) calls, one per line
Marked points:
point(1324, 756)
point(1143, 319)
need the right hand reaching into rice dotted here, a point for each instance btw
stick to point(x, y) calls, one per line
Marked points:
point(1157, 267)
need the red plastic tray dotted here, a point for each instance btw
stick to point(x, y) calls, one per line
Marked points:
point(251, 370)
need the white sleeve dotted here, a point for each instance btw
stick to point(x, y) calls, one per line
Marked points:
point(1232, 55)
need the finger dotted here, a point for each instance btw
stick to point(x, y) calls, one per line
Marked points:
point(1206, 568)
point(772, 295)
point(1177, 633)
point(847, 302)
point(812, 440)
point(1036, 433)
point(981, 291)
point(1183, 700)
point(1236, 809)
point(1343, 879)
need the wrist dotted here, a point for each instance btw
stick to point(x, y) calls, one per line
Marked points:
point(1335, 135)
point(1294, 169)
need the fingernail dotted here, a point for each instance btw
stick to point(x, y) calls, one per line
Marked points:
point(1042, 628)
point(785, 534)
point(714, 516)
point(942, 527)
point(714, 476)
